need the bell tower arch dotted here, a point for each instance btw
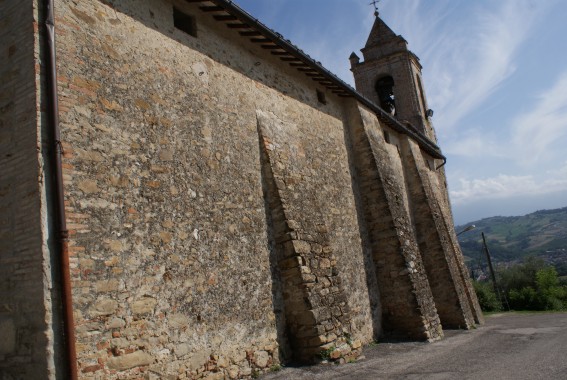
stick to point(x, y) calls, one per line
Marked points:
point(390, 76)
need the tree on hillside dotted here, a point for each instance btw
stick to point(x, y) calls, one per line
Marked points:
point(531, 285)
point(520, 276)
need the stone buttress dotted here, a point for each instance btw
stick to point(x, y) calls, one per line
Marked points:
point(434, 242)
point(317, 316)
point(408, 309)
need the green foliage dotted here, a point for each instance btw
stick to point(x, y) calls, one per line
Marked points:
point(326, 354)
point(552, 295)
point(520, 276)
point(546, 278)
point(486, 297)
point(523, 299)
point(275, 368)
point(529, 286)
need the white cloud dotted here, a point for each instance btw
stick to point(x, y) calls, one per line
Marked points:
point(474, 144)
point(506, 186)
point(536, 137)
point(466, 63)
point(534, 132)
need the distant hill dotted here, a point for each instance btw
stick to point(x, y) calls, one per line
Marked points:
point(542, 233)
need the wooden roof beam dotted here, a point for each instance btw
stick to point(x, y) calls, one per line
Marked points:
point(225, 18)
point(262, 40)
point(238, 26)
point(250, 33)
point(211, 8)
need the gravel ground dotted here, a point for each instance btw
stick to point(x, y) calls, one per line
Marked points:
point(508, 346)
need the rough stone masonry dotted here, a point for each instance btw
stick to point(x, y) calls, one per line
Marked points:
point(231, 205)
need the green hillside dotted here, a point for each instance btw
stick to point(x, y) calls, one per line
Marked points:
point(542, 233)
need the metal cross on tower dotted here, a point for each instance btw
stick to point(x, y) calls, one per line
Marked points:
point(375, 3)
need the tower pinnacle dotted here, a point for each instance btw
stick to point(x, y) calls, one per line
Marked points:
point(390, 75)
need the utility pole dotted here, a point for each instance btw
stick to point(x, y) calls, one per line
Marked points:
point(491, 269)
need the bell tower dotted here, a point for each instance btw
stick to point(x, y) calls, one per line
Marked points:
point(390, 76)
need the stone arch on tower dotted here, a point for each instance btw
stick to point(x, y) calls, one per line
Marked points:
point(384, 87)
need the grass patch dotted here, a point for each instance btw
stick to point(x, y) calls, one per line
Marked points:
point(275, 368)
point(326, 354)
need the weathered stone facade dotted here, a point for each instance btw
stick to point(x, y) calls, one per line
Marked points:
point(230, 204)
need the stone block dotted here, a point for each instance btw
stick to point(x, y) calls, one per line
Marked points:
point(198, 359)
point(317, 341)
point(135, 359)
point(143, 305)
point(178, 320)
point(181, 350)
point(301, 247)
point(233, 371)
point(261, 358)
point(106, 286)
point(215, 376)
point(104, 306)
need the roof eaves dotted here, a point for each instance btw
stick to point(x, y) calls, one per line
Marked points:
point(344, 88)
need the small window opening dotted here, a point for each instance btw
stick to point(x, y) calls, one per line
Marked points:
point(184, 22)
point(387, 137)
point(385, 90)
point(321, 97)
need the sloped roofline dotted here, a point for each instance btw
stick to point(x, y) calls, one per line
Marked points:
point(250, 27)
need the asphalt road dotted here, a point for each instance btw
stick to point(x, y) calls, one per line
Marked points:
point(512, 346)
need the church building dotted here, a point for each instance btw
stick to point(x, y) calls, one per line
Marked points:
point(185, 194)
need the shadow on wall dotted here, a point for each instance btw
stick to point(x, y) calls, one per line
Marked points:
point(369, 265)
point(274, 218)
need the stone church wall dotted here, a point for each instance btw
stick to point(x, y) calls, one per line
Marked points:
point(225, 211)
point(172, 271)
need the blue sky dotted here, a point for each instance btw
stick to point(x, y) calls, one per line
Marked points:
point(495, 73)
